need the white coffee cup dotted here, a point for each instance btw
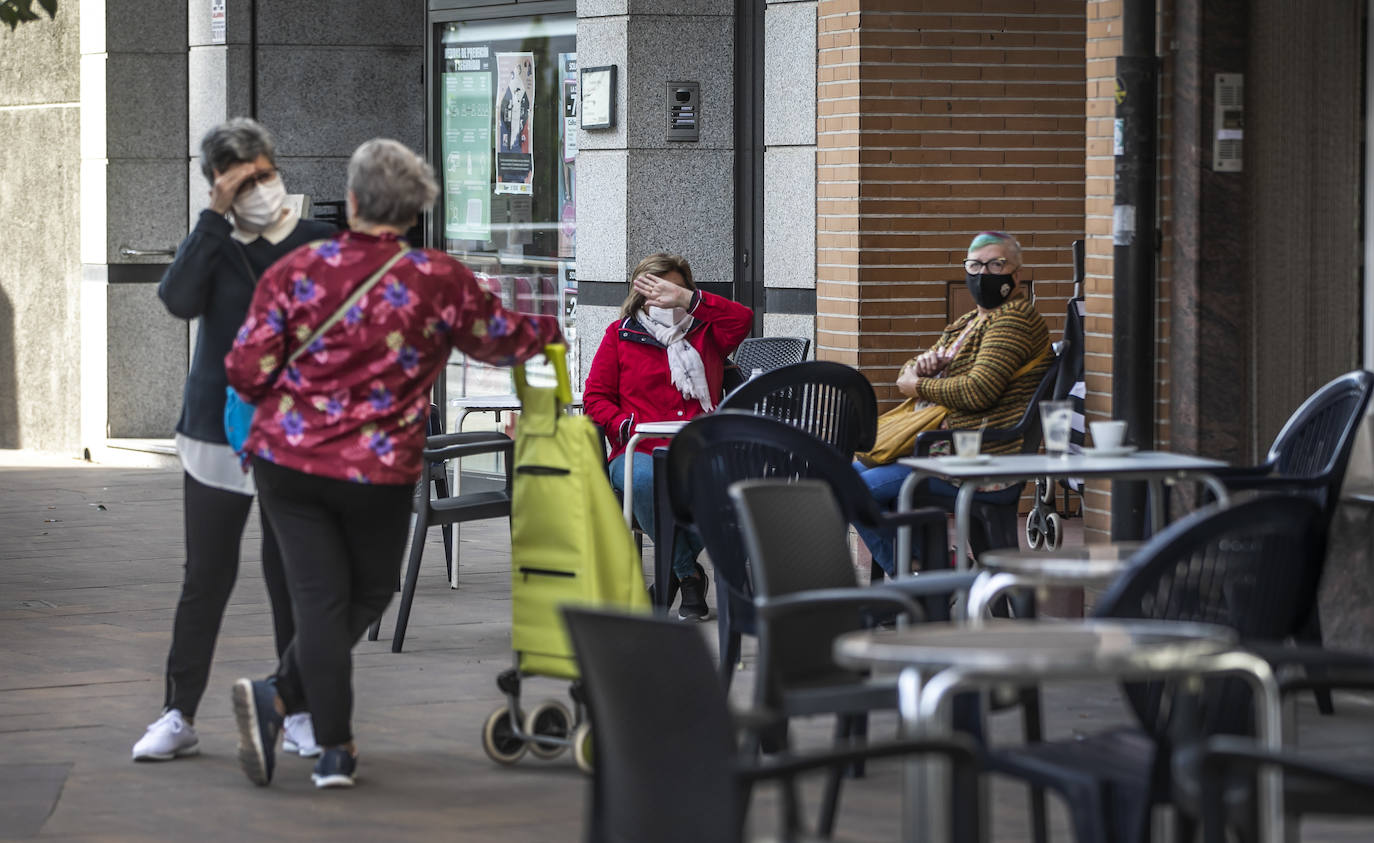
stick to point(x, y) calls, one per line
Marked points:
point(1108, 434)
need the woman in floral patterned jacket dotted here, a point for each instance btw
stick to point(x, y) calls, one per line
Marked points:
point(338, 433)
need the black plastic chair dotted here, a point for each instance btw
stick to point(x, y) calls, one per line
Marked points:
point(667, 764)
point(716, 450)
point(806, 595)
point(1309, 457)
point(1253, 567)
point(764, 354)
point(445, 509)
point(831, 401)
point(1217, 781)
point(997, 521)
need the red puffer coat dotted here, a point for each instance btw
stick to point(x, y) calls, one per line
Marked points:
point(629, 378)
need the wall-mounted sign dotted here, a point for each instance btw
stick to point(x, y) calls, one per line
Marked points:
point(217, 21)
point(598, 97)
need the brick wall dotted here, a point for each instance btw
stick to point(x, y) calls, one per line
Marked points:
point(938, 119)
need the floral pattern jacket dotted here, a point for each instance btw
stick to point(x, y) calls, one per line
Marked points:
point(354, 406)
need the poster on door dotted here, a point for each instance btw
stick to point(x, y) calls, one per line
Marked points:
point(467, 149)
point(515, 123)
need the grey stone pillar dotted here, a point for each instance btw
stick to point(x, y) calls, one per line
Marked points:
point(133, 189)
point(638, 193)
point(40, 276)
point(789, 130)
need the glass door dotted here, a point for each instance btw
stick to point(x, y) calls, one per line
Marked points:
point(504, 140)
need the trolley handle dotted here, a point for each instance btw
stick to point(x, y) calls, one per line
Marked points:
point(557, 354)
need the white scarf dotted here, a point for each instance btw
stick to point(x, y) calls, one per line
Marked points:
point(669, 326)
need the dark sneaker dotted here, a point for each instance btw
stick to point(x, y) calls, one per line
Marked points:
point(259, 725)
point(335, 768)
point(693, 604)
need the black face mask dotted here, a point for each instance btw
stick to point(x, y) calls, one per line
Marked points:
point(990, 290)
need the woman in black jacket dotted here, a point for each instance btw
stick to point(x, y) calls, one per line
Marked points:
point(245, 230)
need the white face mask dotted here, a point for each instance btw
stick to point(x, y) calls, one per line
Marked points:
point(667, 315)
point(258, 207)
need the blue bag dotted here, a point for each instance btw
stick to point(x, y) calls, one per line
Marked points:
point(238, 418)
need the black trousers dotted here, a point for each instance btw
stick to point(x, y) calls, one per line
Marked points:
point(342, 544)
point(213, 520)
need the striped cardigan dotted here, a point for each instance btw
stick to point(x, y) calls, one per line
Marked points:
point(977, 383)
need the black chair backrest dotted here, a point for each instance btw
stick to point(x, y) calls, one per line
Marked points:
point(831, 401)
point(769, 353)
point(1316, 440)
point(1253, 567)
point(663, 738)
point(1028, 426)
point(797, 541)
point(718, 449)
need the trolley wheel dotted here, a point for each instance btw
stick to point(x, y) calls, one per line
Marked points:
point(1035, 530)
point(1054, 531)
point(582, 746)
point(1045, 487)
point(548, 719)
point(499, 740)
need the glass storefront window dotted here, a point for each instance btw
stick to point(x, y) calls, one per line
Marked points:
point(507, 144)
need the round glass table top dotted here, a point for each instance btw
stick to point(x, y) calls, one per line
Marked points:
point(1090, 561)
point(1027, 647)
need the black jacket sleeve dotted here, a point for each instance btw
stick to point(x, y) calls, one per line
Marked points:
point(185, 286)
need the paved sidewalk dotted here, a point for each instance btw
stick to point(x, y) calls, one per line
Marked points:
point(90, 569)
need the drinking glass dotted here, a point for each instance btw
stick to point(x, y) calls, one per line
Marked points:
point(968, 443)
point(1056, 422)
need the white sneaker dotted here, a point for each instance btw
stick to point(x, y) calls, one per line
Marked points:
point(168, 737)
point(298, 735)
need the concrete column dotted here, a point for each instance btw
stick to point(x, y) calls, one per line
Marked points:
point(133, 188)
point(39, 274)
point(789, 129)
point(638, 193)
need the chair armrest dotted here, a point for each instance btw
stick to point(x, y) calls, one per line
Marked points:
point(931, 516)
point(773, 608)
point(1293, 655)
point(931, 583)
point(1225, 754)
point(960, 750)
point(926, 438)
point(454, 450)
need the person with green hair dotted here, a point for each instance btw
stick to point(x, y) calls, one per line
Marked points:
point(983, 370)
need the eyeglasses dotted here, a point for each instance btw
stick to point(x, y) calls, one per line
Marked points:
point(258, 178)
point(995, 266)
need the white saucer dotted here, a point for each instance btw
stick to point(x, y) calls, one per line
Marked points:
point(954, 459)
point(1119, 451)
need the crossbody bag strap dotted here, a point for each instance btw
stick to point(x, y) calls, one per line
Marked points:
point(348, 303)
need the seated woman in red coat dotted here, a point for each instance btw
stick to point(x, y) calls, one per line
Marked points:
point(663, 360)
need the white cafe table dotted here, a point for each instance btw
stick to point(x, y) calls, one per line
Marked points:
point(937, 659)
point(646, 430)
point(1155, 467)
point(1085, 565)
point(497, 404)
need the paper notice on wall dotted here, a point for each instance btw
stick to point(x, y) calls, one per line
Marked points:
point(515, 123)
point(567, 215)
point(217, 21)
point(467, 107)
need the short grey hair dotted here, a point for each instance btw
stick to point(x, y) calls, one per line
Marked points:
point(234, 142)
point(391, 185)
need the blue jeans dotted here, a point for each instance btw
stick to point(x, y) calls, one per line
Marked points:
point(686, 545)
point(884, 482)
